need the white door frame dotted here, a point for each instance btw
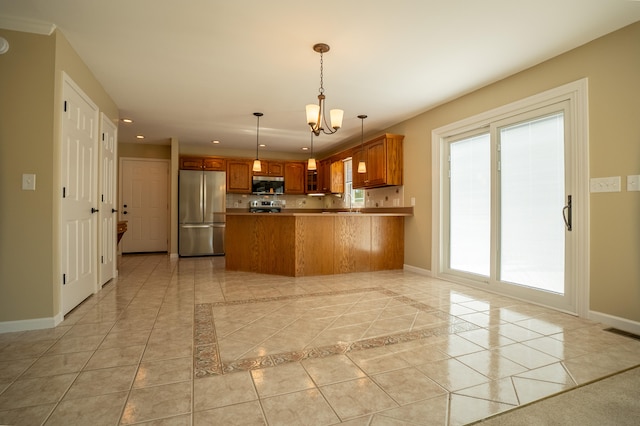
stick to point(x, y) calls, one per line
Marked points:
point(576, 94)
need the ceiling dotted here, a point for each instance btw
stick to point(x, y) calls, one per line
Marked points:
point(197, 70)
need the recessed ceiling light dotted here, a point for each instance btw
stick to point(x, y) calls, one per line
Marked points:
point(262, 145)
point(304, 148)
point(127, 120)
point(215, 141)
point(140, 137)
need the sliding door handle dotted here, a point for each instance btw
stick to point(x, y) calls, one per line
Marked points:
point(566, 213)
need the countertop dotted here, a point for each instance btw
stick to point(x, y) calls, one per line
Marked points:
point(392, 211)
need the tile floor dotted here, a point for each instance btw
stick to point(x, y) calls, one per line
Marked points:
point(184, 342)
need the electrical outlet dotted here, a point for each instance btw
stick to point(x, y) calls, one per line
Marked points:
point(28, 182)
point(633, 183)
point(413, 201)
point(605, 184)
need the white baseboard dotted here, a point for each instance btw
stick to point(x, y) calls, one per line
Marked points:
point(173, 256)
point(616, 322)
point(417, 270)
point(30, 324)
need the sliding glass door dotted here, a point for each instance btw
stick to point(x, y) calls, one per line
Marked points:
point(503, 206)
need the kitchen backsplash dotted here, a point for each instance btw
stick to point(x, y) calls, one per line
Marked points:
point(392, 196)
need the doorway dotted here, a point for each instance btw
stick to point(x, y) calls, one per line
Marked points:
point(144, 204)
point(508, 185)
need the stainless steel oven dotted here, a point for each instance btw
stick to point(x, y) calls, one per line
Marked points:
point(265, 206)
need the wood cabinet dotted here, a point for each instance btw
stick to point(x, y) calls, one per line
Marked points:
point(214, 163)
point(270, 168)
point(328, 179)
point(383, 157)
point(324, 176)
point(202, 163)
point(239, 176)
point(294, 177)
point(337, 176)
point(307, 245)
point(312, 183)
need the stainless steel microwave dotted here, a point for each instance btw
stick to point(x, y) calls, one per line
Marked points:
point(267, 185)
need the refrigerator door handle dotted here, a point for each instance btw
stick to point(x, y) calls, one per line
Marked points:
point(196, 226)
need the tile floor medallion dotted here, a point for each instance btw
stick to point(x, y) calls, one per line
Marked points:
point(378, 302)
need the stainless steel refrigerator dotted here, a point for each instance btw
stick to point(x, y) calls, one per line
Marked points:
point(201, 213)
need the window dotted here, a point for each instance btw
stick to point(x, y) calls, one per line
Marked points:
point(356, 196)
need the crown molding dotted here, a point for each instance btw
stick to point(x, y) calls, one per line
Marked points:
point(26, 25)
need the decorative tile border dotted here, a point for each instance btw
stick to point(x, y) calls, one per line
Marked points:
point(207, 361)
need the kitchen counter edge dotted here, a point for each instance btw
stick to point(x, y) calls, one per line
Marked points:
point(396, 211)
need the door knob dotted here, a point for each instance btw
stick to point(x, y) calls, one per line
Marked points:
point(94, 210)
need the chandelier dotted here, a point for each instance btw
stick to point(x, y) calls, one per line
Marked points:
point(316, 117)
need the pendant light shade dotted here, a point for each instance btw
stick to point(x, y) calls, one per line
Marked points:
point(257, 165)
point(311, 164)
point(362, 166)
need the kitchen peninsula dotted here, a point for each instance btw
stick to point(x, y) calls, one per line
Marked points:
point(320, 243)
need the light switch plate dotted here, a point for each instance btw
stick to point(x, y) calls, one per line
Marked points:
point(605, 184)
point(28, 182)
point(633, 183)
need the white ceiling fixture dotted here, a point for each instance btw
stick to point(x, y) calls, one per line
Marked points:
point(316, 115)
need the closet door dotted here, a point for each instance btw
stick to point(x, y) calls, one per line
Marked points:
point(108, 204)
point(80, 204)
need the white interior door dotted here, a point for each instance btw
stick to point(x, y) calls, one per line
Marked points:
point(108, 217)
point(79, 196)
point(144, 205)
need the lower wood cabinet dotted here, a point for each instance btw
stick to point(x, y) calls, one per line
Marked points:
point(306, 245)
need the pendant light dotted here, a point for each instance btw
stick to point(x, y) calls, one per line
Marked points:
point(362, 166)
point(257, 166)
point(311, 164)
point(316, 116)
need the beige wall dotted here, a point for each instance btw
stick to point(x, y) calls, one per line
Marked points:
point(612, 65)
point(133, 150)
point(26, 146)
point(31, 87)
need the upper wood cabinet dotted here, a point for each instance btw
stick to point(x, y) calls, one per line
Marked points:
point(214, 163)
point(294, 177)
point(239, 176)
point(270, 168)
point(328, 178)
point(383, 157)
point(337, 176)
point(324, 176)
point(312, 184)
point(202, 163)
